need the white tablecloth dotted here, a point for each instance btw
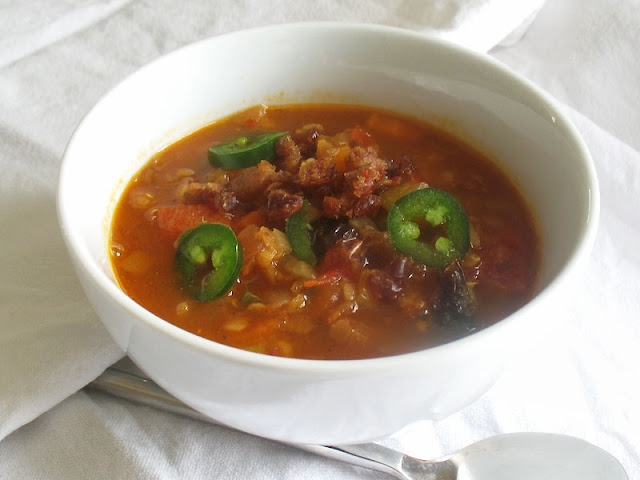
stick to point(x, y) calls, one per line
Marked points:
point(58, 57)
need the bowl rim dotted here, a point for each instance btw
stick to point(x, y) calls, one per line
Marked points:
point(586, 236)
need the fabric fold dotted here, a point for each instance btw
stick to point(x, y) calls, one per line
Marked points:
point(38, 24)
point(480, 25)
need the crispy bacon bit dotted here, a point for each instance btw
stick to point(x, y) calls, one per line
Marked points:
point(361, 157)
point(201, 193)
point(346, 179)
point(364, 170)
point(251, 184)
point(335, 207)
point(346, 206)
point(212, 194)
point(282, 204)
point(316, 171)
point(307, 138)
point(289, 153)
point(366, 206)
point(401, 168)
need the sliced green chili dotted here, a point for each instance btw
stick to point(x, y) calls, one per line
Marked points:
point(437, 207)
point(208, 259)
point(244, 152)
point(298, 231)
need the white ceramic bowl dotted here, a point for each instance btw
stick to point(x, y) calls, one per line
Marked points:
point(312, 401)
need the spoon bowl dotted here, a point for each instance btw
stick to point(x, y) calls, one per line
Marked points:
point(529, 456)
point(522, 456)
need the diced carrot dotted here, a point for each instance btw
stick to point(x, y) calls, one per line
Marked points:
point(327, 278)
point(256, 217)
point(339, 159)
point(393, 127)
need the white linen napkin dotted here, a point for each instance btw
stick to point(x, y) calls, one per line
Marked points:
point(57, 58)
point(478, 24)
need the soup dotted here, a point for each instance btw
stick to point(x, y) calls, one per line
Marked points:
point(324, 232)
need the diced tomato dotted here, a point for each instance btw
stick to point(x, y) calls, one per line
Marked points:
point(337, 264)
point(361, 136)
point(176, 219)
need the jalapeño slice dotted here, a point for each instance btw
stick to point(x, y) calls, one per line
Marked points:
point(436, 207)
point(244, 152)
point(298, 231)
point(208, 259)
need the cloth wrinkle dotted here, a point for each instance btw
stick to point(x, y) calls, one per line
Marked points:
point(28, 42)
point(58, 57)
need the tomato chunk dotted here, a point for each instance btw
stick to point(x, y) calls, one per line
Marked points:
point(176, 219)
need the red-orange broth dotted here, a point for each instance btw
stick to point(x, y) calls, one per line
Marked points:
point(363, 298)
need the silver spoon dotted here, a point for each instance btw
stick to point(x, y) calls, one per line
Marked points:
point(516, 456)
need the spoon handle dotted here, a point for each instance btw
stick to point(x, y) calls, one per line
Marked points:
point(124, 381)
point(383, 459)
